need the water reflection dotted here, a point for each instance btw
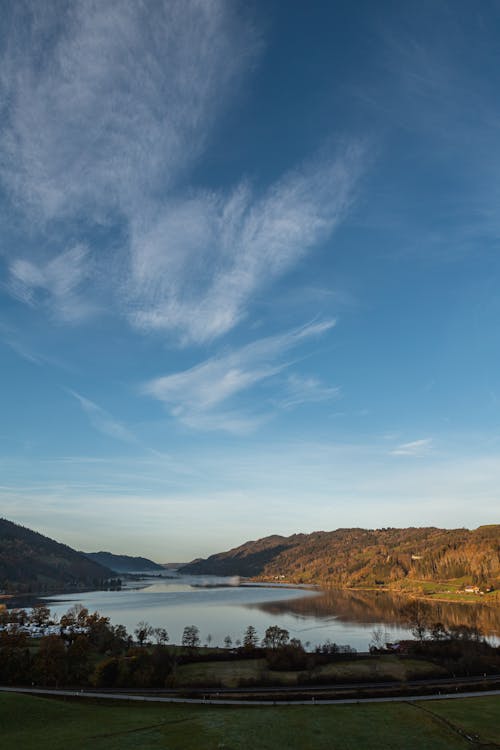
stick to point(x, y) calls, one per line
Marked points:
point(382, 607)
point(220, 608)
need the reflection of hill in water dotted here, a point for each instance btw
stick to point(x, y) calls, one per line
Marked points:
point(383, 607)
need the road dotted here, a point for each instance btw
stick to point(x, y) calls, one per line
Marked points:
point(437, 683)
point(85, 694)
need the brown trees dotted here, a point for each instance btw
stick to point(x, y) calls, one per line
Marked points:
point(50, 665)
point(275, 637)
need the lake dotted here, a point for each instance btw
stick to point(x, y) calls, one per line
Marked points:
point(219, 609)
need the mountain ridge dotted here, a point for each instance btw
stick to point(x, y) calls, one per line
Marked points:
point(365, 557)
point(33, 563)
point(124, 563)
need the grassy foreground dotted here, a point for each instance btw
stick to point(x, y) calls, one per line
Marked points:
point(30, 723)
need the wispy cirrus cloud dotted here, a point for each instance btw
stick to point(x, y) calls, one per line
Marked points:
point(56, 284)
point(306, 390)
point(415, 448)
point(198, 397)
point(102, 421)
point(107, 102)
point(197, 265)
point(106, 108)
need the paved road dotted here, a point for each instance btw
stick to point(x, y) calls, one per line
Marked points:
point(234, 702)
point(438, 683)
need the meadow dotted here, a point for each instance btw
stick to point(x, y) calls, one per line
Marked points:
point(251, 672)
point(29, 723)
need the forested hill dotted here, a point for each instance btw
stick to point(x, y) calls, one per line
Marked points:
point(362, 557)
point(31, 562)
point(124, 563)
point(250, 559)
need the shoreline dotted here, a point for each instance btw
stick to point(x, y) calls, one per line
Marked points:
point(491, 599)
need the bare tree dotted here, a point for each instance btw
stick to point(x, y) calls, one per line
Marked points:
point(275, 637)
point(379, 639)
point(416, 614)
point(191, 636)
point(161, 636)
point(143, 632)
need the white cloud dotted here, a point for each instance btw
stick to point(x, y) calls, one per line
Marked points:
point(56, 284)
point(415, 448)
point(194, 396)
point(102, 421)
point(106, 106)
point(105, 102)
point(303, 390)
point(196, 265)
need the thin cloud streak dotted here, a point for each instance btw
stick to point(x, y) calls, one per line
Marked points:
point(102, 421)
point(13, 338)
point(194, 396)
point(304, 390)
point(416, 448)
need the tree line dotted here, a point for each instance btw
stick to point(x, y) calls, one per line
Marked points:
point(87, 650)
point(67, 654)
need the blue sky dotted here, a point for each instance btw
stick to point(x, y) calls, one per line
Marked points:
point(248, 269)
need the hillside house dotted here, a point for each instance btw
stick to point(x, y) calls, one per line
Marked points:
point(472, 590)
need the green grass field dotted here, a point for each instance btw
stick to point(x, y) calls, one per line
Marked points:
point(30, 723)
point(451, 590)
point(236, 673)
point(384, 667)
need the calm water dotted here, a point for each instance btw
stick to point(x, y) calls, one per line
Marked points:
point(220, 609)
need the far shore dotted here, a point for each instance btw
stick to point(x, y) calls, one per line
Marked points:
point(490, 599)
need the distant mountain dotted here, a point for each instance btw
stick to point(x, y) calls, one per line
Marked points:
point(249, 559)
point(31, 562)
point(124, 563)
point(362, 557)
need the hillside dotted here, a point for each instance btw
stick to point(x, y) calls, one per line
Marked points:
point(31, 562)
point(124, 563)
point(363, 557)
point(250, 559)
